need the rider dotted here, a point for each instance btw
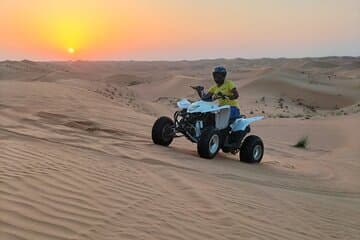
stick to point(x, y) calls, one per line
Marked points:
point(225, 91)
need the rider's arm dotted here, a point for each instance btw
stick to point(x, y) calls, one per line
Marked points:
point(234, 95)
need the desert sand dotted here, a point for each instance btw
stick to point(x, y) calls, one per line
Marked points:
point(77, 160)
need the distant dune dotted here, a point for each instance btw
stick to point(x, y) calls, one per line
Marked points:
point(77, 160)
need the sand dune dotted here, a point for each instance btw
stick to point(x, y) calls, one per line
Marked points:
point(77, 161)
point(319, 97)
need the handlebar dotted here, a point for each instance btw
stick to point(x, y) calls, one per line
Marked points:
point(197, 87)
point(220, 95)
point(200, 89)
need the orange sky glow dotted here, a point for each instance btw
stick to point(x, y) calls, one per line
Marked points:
point(159, 29)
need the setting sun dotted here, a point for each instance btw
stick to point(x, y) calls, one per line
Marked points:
point(71, 50)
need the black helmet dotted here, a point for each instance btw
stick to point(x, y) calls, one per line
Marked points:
point(219, 69)
point(219, 74)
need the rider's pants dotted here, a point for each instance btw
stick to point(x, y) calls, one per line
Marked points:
point(234, 113)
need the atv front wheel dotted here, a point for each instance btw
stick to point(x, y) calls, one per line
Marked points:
point(252, 150)
point(162, 131)
point(209, 143)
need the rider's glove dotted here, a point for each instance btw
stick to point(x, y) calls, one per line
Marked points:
point(199, 90)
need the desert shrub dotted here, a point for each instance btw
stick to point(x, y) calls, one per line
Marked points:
point(282, 116)
point(133, 83)
point(302, 143)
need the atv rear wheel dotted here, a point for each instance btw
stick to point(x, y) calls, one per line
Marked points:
point(209, 143)
point(252, 150)
point(162, 131)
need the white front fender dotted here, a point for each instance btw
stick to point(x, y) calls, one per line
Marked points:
point(183, 103)
point(241, 123)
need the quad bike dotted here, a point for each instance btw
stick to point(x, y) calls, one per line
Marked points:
point(208, 125)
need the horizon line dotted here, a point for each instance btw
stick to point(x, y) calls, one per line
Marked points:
point(180, 60)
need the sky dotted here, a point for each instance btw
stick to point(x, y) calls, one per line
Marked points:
point(177, 29)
